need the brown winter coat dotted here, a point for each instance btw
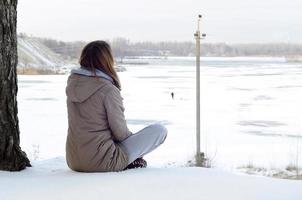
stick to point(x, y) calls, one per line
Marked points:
point(96, 125)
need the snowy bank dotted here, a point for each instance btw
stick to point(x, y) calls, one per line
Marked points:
point(51, 179)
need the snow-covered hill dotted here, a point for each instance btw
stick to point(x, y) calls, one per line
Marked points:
point(34, 54)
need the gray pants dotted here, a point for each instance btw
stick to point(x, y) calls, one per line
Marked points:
point(144, 141)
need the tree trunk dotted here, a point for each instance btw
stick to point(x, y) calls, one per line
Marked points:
point(12, 158)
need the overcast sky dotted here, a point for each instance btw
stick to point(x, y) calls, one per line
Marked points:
point(231, 21)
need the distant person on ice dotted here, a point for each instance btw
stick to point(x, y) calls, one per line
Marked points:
point(172, 95)
point(98, 137)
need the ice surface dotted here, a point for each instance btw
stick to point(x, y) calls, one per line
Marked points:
point(250, 110)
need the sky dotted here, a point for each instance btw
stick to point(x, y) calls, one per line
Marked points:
point(229, 21)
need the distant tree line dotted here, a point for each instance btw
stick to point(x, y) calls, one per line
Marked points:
point(123, 47)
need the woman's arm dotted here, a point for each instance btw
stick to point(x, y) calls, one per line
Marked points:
point(115, 115)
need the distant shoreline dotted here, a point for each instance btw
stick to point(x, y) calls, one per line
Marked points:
point(37, 71)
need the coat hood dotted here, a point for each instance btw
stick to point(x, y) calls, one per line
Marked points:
point(80, 87)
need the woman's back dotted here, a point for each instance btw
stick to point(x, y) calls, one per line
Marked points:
point(96, 124)
point(98, 137)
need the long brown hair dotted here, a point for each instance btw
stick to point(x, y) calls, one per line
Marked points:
point(98, 55)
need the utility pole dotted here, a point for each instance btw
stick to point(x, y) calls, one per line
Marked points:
point(198, 36)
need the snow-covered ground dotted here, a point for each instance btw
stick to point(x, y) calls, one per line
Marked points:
point(52, 180)
point(251, 116)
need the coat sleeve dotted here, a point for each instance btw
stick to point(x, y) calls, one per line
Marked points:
point(115, 115)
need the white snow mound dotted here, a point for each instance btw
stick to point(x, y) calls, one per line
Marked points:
point(51, 179)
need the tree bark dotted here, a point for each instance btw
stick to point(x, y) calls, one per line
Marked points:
point(12, 158)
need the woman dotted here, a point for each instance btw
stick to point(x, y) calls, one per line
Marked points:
point(98, 137)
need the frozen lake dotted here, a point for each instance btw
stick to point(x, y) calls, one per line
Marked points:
point(251, 110)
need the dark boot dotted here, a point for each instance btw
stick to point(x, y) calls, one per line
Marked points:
point(138, 163)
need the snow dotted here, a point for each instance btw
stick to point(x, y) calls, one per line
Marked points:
point(51, 179)
point(38, 54)
point(251, 115)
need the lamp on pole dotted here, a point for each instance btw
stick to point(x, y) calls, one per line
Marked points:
point(198, 36)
